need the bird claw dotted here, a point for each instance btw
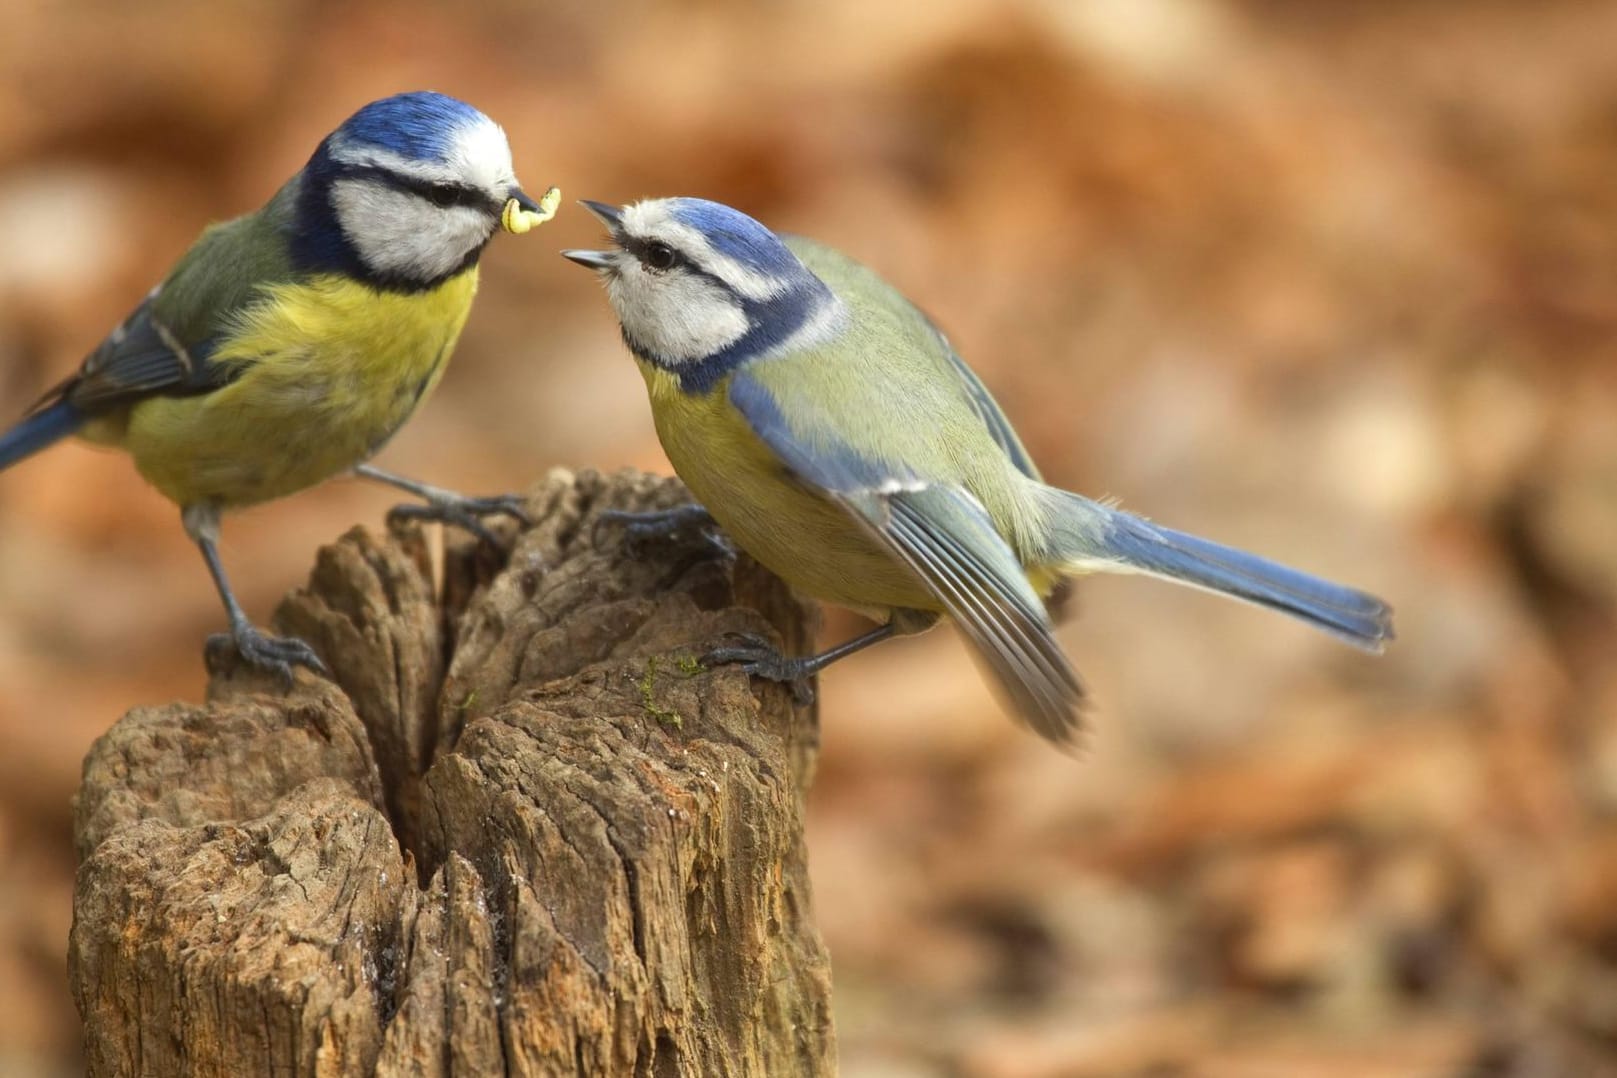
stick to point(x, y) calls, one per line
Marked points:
point(642, 529)
point(277, 654)
point(761, 659)
point(464, 512)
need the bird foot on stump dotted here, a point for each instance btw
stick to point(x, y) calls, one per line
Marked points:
point(276, 654)
point(463, 511)
point(759, 658)
point(682, 522)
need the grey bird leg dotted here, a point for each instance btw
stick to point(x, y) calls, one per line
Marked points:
point(447, 507)
point(258, 648)
point(640, 529)
point(760, 658)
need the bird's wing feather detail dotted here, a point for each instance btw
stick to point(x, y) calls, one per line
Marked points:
point(141, 358)
point(948, 541)
point(944, 536)
point(165, 346)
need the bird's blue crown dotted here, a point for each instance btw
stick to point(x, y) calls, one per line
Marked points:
point(734, 234)
point(420, 125)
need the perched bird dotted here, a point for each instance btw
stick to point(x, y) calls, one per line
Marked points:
point(288, 345)
point(834, 433)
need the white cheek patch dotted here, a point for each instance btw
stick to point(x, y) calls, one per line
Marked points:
point(396, 232)
point(680, 318)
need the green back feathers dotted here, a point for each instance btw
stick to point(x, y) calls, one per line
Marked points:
point(225, 269)
point(892, 350)
point(164, 347)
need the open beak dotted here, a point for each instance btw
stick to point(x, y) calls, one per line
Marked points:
point(522, 214)
point(612, 218)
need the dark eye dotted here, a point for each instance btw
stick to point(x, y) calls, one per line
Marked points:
point(443, 195)
point(659, 256)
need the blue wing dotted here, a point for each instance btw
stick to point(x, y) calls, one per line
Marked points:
point(141, 358)
point(948, 541)
point(166, 345)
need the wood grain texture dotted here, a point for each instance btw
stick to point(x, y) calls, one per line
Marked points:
point(524, 832)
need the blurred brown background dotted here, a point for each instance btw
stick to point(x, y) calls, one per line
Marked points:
point(1334, 281)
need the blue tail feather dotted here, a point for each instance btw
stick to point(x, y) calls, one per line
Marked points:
point(1093, 535)
point(39, 430)
point(1354, 616)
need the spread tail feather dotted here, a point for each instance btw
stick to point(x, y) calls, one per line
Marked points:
point(50, 424)
point(1088, 536)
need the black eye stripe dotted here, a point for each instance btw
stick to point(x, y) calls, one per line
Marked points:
point(445, 195)
point(641, 249)
point(637, 247)
point(463, 194)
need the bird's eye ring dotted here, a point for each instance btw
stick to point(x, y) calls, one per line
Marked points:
point(443, 195)
point(659, 256)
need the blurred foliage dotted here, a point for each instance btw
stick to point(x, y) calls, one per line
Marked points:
point(1334, 281)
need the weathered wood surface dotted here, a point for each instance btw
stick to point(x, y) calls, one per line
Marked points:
point(527, 835)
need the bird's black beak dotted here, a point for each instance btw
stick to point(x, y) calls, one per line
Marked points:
point(611, 216)
point(521, 213)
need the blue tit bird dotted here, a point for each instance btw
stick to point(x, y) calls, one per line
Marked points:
point(288, 345)
point(830, 428)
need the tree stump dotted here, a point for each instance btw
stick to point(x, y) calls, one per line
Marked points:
point(523, 832)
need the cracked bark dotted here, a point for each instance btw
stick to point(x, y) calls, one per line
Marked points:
point(522, 833)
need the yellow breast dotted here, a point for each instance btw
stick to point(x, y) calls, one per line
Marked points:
point(805, 539)
point(329, 369)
